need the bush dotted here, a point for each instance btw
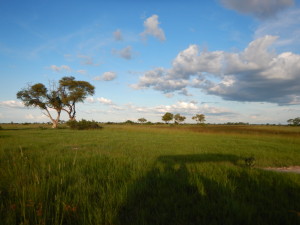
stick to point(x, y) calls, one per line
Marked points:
point(1, 128)
point(83, 124)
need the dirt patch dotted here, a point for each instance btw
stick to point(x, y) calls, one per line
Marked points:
point(290, 169)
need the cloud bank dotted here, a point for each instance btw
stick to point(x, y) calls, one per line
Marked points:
point(261, 9)
point(257, 74)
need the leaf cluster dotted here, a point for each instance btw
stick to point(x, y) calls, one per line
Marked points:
point(294, 122)
point(38, 95)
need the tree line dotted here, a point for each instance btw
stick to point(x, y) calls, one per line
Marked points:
point(167, 117)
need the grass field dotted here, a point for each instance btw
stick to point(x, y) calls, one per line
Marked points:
point(138, 174)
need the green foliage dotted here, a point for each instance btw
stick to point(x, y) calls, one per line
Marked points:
point(250, 162)
point(73, 91)
point(1, 128)
point(64, 97)
point(129, 122)
point(142, 120)
point(199, 118)
point(83, 125)
point(294, 122)
point(178, 118)
point(167, 117)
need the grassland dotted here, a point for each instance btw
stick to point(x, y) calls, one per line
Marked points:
point(139, 174)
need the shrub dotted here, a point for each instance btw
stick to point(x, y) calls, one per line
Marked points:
point(1, 128)
point(83, 124)
point(250, 162)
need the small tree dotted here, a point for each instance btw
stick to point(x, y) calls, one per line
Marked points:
point(199, 118)
point(73, 91)
point(178, 118)
point(39, 96)
point(294, 122)
point(142, 120)
point(167, 117)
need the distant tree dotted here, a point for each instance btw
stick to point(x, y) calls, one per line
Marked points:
point(39, 96)
point(73, 91)
point(294, 122)
point(178, 118)
point(199, 118)
point(142, 120)
point(167, 117)
point(129, 122)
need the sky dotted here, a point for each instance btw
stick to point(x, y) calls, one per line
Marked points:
point(231, 60)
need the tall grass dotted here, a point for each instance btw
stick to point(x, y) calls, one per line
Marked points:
point(148, 175)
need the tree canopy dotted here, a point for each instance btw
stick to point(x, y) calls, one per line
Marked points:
point(73, 91)
point(294, 122)
point(59, 97)
point(199, 118)
point(178, 118)
point(167, 117)
point(142, 120)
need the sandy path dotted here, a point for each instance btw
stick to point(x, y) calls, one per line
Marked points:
point(291, 169)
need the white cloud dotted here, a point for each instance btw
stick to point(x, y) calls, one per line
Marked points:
point(125, 53)
point(107, 76)
point(11, 104)
point(90, 100)
point(152, 28)
point(105, 101)
point(62, 68)
point(259, 8)
point(256, 74)
point(35, 117)
point(118, 35)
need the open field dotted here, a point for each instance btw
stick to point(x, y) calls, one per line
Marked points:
point(157, 174)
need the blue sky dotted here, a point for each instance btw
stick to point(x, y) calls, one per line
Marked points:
point(231, 60)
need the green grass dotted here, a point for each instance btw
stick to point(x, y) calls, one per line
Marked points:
point(137, 174)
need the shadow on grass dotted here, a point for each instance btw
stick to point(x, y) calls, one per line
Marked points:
point(166, 195)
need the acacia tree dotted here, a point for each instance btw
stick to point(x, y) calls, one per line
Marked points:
point(73, 91)
point(142, 120)
point(178, 118)
point(294, 122)
point(167, 117)
point(59, 97)
point(39, 96)
point(199, 118)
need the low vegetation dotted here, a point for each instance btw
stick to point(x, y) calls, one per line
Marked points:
point(83, 125)
point(157, 174)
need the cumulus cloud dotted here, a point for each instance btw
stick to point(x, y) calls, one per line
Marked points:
point(12, 104)
point(256, 74)
point(262, 9)
point(152, 28)
point(107, 76)
point(62, 68)
point(105, 101)
point(118, 35)
point(125, 53)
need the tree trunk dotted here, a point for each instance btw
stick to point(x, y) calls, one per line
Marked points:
point(54, 124)
point(54, 121)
